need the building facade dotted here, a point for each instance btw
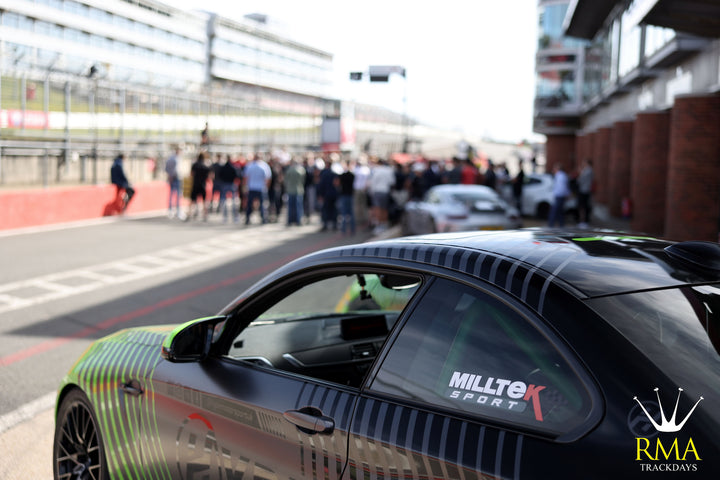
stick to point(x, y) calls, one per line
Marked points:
point(85, 79)
point(633, 86)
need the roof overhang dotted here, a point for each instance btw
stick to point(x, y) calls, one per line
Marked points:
point(585, 17)
point(698, 17)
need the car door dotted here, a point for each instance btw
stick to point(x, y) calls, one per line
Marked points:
point(467, 378)
point(278, 402)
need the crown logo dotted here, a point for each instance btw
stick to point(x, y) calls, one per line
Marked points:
point(668, 425)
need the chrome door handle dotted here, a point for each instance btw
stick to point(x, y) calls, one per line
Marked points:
point(132, 388)
point(310, 420)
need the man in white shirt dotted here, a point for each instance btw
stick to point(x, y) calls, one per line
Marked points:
point(381, 181)
point(561, 190)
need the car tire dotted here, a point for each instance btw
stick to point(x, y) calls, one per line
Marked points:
point(77, 446)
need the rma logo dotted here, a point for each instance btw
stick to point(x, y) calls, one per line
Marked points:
point(668, 426)
point(670, 451)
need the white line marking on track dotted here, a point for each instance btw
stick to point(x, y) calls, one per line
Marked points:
point(55, 286)
point(27, 411)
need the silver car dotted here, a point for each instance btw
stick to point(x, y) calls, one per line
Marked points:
point(454, 208)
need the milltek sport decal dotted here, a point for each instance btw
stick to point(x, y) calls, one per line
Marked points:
point(512, 395)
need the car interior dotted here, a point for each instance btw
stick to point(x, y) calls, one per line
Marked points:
point(330, 330)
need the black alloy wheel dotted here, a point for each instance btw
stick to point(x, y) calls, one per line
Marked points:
point(77, 447)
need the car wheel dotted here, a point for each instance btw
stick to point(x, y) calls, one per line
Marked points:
point(77, 447)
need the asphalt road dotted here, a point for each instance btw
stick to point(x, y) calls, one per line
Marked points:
point(62, 288)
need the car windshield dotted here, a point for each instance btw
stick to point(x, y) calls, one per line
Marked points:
point(477, 201)
point(678, 329)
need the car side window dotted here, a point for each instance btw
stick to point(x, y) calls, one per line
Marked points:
point(329, 328)
point(467, 350)
point(432, 197)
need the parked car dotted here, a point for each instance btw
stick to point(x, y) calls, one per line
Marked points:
point(454, 208)
point(518, 354)
point(537, 196)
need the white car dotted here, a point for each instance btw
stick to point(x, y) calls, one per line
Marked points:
point(454, 208)
point(537, 196)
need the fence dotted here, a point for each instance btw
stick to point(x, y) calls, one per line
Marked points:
point(68, 130)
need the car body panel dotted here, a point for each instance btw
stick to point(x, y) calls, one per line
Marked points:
point(102, 373)
point(205, 428)
point(222, 417)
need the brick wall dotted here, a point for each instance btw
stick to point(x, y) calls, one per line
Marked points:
point(560, 149)
point(618, 179)
point(601, 163)
point(693, 191)
point(649, 172)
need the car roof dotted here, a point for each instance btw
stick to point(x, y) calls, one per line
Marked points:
point(461, 187)
point(458, 188)
point(588, 263)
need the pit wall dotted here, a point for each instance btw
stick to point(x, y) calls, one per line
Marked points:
point(47, 206)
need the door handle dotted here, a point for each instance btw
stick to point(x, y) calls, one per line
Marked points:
point(310, 420)
point(132, 388)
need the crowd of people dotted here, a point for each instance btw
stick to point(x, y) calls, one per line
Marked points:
point(348, 193)
point(362, 192)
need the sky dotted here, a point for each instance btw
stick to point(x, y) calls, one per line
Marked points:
point(470, 64)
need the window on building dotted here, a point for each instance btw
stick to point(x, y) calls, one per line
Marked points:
point(656, 38)
point(630, 40)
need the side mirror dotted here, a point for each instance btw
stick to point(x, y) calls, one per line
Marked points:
point(191, 341)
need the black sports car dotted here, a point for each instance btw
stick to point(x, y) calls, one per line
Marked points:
point(520, 354)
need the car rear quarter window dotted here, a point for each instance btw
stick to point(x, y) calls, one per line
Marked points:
point(677, 329)
point(467, 350)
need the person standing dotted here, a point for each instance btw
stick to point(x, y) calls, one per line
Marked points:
point(216, 190)
point(490, 176)
point(312, 170)
point(173, 179)
point(361, 202)
point(585, 185)
point(561, 190)
point(382, 179)
point(200, 173)
point(276, 190)
point(226, 177)
point(347, 209)
point(257, 180)
point(294, 181)
point(123, 190)
point(469, 173)
point(517, 187)
point(328, 195)
point(453, 176)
